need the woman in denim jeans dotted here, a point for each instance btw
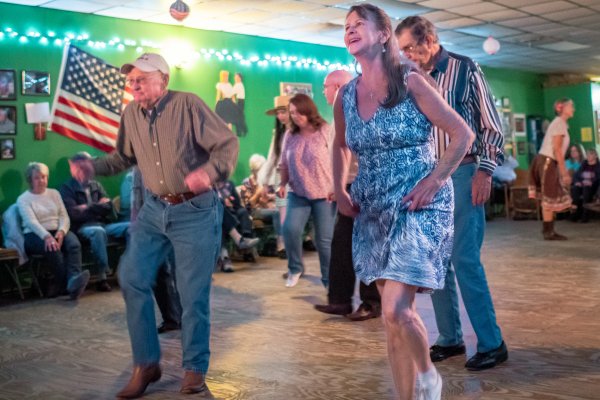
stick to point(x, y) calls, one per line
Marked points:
point(305, 166)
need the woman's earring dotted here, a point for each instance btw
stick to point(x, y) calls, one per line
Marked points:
point(383, 48)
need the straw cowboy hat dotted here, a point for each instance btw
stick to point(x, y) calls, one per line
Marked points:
point(281, 103)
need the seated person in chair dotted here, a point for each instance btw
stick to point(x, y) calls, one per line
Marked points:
point(91, 211)
point(46, 232)
point(586, 182)
point(260, 200)
point(236, 220)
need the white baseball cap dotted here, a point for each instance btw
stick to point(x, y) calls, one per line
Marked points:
point(147, 62)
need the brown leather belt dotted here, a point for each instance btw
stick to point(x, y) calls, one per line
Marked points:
point(176, 198)
point(469, 159)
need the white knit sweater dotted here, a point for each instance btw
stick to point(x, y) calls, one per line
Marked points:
point(43, 212)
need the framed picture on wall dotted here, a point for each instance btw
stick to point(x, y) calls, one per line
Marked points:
point(7, 149)
point(36, 83)
point(292, 88)
point(520, 125)
point(8, 83)
point(8, 120)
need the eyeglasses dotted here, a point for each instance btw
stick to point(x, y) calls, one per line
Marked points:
point(408, 49)
point(134, 81)
point(142, 80)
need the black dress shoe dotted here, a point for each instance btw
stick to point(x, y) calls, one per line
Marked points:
point(440, 353)
point(489, 359)
point(337, 309)
point(364, 312)
point(168, 326)
point(103, 286)
point(309, 245)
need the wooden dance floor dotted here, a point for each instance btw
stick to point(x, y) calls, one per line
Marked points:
point(269, 343)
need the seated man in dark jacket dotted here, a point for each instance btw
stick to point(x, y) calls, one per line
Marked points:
point(90, 211)
point(586, 182)
point(237, 223)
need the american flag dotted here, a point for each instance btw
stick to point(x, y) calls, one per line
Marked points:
point(89, 100)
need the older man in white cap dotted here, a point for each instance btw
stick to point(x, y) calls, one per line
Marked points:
point(182, 148)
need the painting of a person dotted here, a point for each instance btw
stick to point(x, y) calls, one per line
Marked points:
point(7, 124)
point(240, 97)
point(226, 107)
point(7, 85)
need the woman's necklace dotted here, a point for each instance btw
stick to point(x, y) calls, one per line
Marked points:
point(370, 92)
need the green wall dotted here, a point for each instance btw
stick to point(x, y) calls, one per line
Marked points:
point(581, 94)
point(261, 83)
point(524, 90)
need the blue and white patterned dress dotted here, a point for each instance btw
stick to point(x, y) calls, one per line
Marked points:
point(395, 151)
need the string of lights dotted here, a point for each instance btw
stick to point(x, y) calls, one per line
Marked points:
point(182, 58)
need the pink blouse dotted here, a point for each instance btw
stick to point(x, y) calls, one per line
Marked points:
point(307, 160)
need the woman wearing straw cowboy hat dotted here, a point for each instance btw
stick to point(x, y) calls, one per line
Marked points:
point(268, 175)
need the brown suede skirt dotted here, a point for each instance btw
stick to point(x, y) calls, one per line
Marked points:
point(546, 186)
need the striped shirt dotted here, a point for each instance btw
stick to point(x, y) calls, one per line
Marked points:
point(461, 83)
point(179, 135)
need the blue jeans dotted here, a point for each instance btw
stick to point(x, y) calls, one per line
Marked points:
point(65, 263)
point(467, 269)
point(269, 213)
point(98, 235)
point(299, 209)
point(165, 293)
point(192, 230)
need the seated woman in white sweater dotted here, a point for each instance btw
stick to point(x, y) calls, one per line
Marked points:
point(46, 229)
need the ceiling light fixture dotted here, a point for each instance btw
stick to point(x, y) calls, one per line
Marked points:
point(491, 45)
point(179, 10)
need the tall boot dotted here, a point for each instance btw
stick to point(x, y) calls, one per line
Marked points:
point(549, 233)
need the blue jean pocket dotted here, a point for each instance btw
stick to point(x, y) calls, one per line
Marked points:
point(202, 202)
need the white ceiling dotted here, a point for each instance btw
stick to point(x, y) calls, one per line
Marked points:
point(535, 35)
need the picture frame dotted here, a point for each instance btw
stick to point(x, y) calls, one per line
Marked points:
point(7, 149)
point(520, 125)
point(8, 84)
point(35, 83)
point(292, 88)
point(8, 120)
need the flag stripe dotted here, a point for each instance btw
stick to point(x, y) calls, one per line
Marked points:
point(85, 124)
point(87, 111)
point(83, 131)
point(81, 138)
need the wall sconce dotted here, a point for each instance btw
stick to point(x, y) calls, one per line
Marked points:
point(38, 114)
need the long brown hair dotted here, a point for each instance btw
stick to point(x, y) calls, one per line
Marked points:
point(306, 106)
point(395, 71)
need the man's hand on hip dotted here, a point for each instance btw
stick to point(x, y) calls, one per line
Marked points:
point(482, 185)
point(198, 181)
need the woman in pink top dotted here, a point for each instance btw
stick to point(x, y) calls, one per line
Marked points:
point(306, 166)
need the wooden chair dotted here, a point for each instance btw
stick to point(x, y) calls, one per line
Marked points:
point(9, 258)
point(518, 196)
